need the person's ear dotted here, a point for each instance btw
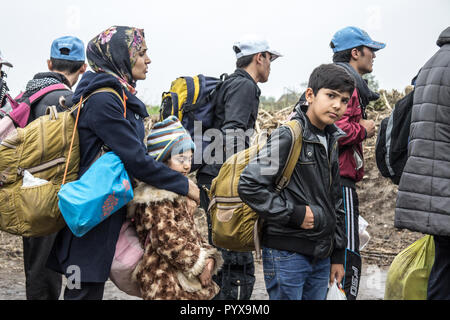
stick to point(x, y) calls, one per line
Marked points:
point(50, 65)
point(258, 58)
point(355, 54)
point(83, 68)
point(309, 95)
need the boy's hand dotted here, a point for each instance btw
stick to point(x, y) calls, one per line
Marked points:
point(308, 222)
point(369, 125)
point(194, 192)
point(337, 273)
point(205, 277)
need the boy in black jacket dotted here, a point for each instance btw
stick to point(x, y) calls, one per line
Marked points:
point(304, 225)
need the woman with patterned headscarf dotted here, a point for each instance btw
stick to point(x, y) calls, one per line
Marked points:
point(118, 57)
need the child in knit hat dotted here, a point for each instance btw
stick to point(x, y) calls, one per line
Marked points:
point(178, 263)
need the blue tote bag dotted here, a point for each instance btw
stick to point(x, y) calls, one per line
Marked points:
point(101, 191)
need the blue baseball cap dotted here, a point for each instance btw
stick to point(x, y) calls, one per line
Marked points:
point(68, 48)
point(352, 37)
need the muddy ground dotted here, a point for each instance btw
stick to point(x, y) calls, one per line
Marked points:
point(377, 197)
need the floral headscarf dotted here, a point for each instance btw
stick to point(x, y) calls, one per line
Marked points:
point(115, 51)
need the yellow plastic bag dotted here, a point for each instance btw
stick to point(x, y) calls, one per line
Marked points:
point(407, 278)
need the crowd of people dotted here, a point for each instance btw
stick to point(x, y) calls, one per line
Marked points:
point(310, 233)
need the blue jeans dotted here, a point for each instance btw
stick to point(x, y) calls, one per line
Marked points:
point(292, 276)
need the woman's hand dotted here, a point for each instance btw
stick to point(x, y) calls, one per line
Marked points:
point(205, 277)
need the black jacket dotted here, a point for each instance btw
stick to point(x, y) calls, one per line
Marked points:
point(236, 109)
point(314, 183)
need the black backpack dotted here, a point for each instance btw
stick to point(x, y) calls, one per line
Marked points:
point(391, 149)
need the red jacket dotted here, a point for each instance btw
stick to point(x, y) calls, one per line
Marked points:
point(352, 143)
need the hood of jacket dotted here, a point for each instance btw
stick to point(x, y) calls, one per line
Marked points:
point(92, 81)
point(145, 194)
point(444, 37)
point(366, 95)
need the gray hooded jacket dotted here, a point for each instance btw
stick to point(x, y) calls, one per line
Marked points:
point(423, 202)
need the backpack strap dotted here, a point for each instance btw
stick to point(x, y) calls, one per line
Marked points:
point(282, 182)
point(123, 99)
point(294, 153)
point(43, 92)
point(190, 90)
point(79, 106)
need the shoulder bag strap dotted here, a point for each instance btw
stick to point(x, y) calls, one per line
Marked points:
point(294, 153)
point(79, 106)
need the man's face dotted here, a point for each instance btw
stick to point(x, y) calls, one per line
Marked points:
point(264, 67)
point(327, 107)
point(365, 60)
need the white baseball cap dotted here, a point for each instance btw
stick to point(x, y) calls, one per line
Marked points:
point(251, 44)
point(4, 61)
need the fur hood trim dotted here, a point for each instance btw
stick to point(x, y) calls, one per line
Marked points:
point(146, 194)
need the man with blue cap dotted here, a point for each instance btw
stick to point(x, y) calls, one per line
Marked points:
point(354, 50)
point(66, 64)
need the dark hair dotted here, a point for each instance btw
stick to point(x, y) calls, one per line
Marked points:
point(331, 76)
point(66, 65)
point(244, 62)
point(345, 55)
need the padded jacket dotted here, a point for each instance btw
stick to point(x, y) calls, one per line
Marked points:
point(423, 201)
point(315, 182)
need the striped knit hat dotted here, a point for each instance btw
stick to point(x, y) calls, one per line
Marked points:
point(168, 138)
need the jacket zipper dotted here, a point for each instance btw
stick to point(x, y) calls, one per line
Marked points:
point(42, 167)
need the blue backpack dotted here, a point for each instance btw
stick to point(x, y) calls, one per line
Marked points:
point(193, 99)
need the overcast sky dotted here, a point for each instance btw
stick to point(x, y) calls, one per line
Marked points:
point(196, 36)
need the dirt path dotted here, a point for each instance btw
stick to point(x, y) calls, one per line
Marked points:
point(12, 280)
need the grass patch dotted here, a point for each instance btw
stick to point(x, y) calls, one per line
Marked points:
point(153, 110)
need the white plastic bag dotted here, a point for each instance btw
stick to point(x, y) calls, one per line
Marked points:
point(336, 293)
point(364, 236)
point(31, 181)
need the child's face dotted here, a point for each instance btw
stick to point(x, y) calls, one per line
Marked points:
point(327, 107)
point(181, 162)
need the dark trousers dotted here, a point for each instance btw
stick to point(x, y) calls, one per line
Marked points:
point(41, 283)
point(439, 280)
point(87, 291)
point(352, 256)
point(237, 276)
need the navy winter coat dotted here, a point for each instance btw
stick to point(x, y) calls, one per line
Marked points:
point(102, 122)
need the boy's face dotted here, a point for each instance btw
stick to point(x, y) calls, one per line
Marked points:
point(327, 107)
point(181, 162)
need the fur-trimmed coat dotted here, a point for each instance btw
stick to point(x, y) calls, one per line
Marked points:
point(175, 253)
